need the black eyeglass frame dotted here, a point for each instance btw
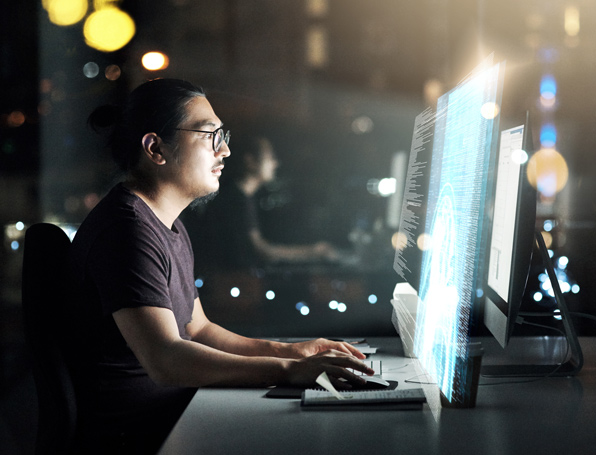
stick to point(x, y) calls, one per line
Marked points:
point(224, 137)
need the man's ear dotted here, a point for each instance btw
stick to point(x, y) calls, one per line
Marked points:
point(152, 146)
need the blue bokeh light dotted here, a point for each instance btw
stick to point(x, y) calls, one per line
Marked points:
point(548, 135)
point(548, 87)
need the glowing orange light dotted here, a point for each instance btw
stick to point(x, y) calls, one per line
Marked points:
point(15, 119)
point(113, 72)
point(548, 171)
point(548, 238)
point(154, 61)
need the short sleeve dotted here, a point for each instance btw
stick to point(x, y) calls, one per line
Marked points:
point(130, 268)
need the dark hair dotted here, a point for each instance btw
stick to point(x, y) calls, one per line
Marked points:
point(156, 106)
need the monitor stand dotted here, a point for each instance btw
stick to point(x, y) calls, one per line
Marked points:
point(575, 360)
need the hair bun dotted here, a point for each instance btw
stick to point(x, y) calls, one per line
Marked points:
point(105, 116)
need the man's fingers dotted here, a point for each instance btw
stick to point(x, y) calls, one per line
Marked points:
point(337, 373)
point(347, 347)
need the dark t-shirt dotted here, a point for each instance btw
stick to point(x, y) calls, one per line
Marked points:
point(124, 257)
point(224, 235)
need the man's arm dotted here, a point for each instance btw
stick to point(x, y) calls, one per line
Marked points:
point(152, 334)
point(204, 331)
point(275, 252)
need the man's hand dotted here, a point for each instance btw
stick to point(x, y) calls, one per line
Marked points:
point(314, 347)
point(304, 372)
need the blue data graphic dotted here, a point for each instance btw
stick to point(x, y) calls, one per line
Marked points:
point(463, 147)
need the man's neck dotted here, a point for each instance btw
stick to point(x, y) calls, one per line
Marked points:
point(166, 204)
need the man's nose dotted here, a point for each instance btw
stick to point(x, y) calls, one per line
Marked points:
point(224, 151)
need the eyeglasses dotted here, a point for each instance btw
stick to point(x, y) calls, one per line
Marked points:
point(219, 137)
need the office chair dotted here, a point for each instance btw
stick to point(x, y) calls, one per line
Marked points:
point(44, 297)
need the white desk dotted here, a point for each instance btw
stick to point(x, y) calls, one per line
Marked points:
point(552, 416)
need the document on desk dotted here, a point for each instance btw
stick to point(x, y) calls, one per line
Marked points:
point(381, 399)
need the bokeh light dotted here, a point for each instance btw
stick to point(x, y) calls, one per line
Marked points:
point(66, 12)
point(572, 20)
point(548, 87)
point(113, 72)
point(15, 119)
point(399, 240)
point(548, 135)
point(387, 187)
point(424, 242)
point(490, 110)
point(303, 308)
point(548, 238)
point(108, 29)
point(548, 172)
point(154, 61)
point(362, 125)
point(548, 225)
point(91, 70)
point(519, 156)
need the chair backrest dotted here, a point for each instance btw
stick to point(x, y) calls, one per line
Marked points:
point(44, 296)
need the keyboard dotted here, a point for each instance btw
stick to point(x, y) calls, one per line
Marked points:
point(376, 365)
point(413, 397)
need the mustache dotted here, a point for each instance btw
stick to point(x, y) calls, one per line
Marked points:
point(218, 164)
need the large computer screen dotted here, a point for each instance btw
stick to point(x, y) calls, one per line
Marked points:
point(512, 236)
point(463, 147)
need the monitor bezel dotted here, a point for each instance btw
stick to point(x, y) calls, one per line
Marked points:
point(499, 315)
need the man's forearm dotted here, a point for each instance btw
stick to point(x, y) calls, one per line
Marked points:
point(219, 338)
point(193, 364)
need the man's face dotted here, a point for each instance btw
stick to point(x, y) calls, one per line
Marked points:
point(197, 167)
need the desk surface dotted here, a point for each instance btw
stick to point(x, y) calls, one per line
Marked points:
point(550, 416)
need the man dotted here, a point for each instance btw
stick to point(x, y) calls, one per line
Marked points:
point(143, 341)
point(234, 216)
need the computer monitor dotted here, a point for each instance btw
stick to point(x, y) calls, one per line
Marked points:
point(448, 179)
point(512, 238)
point(454, 251)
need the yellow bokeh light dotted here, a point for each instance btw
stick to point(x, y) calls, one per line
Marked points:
point(490, 110)
point(399, 241)
point(424, 242)
point(108, 29)
point(548, 239)
point(154, 61)
point(548, 171)
point(66, 12)
point(572, 21)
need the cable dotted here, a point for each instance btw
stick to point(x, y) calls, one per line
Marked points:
point(414, 380)
point(548, 375)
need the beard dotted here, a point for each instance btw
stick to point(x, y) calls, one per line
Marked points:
point(200, 202)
